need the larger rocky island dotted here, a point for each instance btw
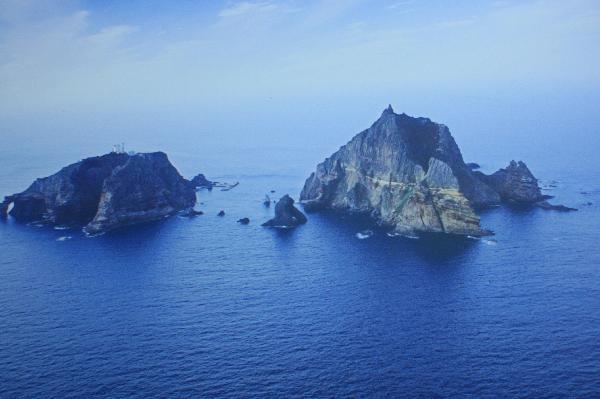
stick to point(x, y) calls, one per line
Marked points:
point(409, 175)
point(104, 193)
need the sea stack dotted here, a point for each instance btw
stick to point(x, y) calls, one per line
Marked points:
point(286, 214)
point(105, 192)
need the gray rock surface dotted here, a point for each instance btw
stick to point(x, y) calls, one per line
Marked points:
point(286, 214)
point(407, 173)
point(200, 181)
point(106, 192)
point(514, 183)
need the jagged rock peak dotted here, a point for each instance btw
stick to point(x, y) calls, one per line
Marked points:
point(200, 181)
point(515, 183)
point(521, 167)
point(407, 173)
point(388, 110)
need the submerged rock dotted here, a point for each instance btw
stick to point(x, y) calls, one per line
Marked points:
point(191, 212)
point(267, 201)
point(244, 221)
point(229, 187)
point(286, 214)
point(106, 192)
point(221, 213)
point(551, 207)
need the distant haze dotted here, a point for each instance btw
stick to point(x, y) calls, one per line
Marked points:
point(307, 73)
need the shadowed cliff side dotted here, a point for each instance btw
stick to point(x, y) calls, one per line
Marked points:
point(106, 192)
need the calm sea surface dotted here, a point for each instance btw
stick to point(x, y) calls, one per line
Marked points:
point(206, 307)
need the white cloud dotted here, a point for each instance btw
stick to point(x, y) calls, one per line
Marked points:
point(110, 34)
point(456, 23)
point(49, 60)
point(246, 9)
point(400, 4)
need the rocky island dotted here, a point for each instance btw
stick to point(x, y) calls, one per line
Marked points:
point(104, 193)
point(200, 181)
point(286, 215)
point(408, 174)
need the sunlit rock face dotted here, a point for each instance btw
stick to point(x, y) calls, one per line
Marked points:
point(407, 173)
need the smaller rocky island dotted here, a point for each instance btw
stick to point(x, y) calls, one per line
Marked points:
point(104, 193)
point(200, 181)
point(516, 185)
point(286, 214)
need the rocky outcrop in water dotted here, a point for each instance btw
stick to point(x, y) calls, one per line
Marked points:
point(514, 183)
point(409, 175)
point(517, 185)
point(106, 192)
point(551, 207)
point(286, 214)
point(200, 181)
point(267, 201)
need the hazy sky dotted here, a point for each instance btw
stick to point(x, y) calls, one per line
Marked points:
point(109, 54)
point(218, 81)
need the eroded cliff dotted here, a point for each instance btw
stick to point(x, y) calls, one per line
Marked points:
point(106, 192)
point(409, 175)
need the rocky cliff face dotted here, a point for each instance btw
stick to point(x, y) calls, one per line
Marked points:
point(514, 183)
point(409, 175)
point(147, 187)
point(104, 193)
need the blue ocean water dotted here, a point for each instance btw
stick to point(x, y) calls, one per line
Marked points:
point(206, 307)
